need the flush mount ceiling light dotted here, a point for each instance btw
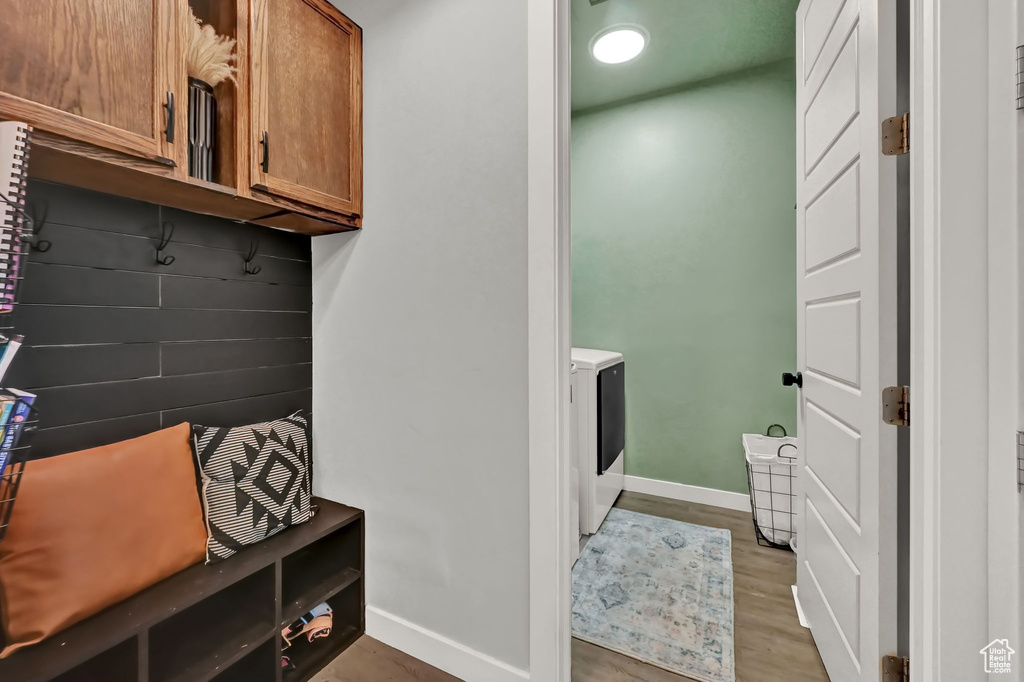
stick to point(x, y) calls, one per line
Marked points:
point(618, 44)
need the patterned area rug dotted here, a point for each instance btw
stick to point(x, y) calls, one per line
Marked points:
point(659, 591)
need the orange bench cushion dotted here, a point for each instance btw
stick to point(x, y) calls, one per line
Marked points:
point(94, 527)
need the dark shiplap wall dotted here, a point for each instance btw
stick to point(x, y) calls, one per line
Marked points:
point(117, 345)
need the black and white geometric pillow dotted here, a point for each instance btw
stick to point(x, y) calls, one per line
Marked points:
point(256, 481)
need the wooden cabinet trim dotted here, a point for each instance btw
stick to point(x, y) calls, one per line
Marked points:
point(65, 124)
point(281, 203)
point(243, 101)
point(259, 85)
point(290, 190)
point(356, 130)
point(166, 74)
point(78, 163)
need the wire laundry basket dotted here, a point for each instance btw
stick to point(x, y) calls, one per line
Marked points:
point(771, 473)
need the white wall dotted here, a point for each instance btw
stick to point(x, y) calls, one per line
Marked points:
point(420, 332)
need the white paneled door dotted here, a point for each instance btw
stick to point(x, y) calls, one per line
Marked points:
point(846, 349)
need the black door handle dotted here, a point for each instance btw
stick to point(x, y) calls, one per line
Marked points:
point(793, 379)
point(265, 143)
point(169, 105)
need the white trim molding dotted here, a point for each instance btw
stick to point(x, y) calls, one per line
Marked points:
point(549, 319)
point(437, 650)
point(966, 525)
point(688, 493)
point(799, 609)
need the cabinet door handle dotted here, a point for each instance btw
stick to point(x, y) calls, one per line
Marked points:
point(169, 106)
point(265, 143)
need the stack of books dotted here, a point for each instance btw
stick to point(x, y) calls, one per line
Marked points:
point(15, 413)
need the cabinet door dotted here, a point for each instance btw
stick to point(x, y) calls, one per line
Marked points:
point(307, 103)
point(90, 70)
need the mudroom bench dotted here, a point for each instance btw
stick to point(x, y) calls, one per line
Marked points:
point(221, 621)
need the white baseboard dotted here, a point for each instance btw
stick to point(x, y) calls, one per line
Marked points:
point(688, 493)
point(439, 651)
point(800, 610)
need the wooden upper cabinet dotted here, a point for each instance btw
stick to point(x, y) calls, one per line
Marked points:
point(90, 70)
point(306, 114)
point(104, 83)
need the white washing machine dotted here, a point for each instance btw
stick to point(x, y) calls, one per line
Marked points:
point(601, 436)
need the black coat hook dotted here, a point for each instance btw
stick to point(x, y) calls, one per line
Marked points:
point(37, 225)
point(166, 232)
point(34, 226)
point(251, 269)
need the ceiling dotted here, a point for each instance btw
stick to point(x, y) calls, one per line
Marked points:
point(691, 40)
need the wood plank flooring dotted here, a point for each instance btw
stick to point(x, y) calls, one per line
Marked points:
point(371, 661)
point(771, 646)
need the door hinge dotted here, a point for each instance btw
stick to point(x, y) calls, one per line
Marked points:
point(896, 135)
point(1020, 77)
point(896, 405)
point(1020, 461)
point(895, 669)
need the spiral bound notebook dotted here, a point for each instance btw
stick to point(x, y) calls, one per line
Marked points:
point(14, 153)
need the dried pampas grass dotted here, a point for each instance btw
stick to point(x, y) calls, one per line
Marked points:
point(209, 55)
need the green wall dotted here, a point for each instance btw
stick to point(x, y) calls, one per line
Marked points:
point(684, 259)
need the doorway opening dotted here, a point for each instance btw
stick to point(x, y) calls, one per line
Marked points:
point(733, 218)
